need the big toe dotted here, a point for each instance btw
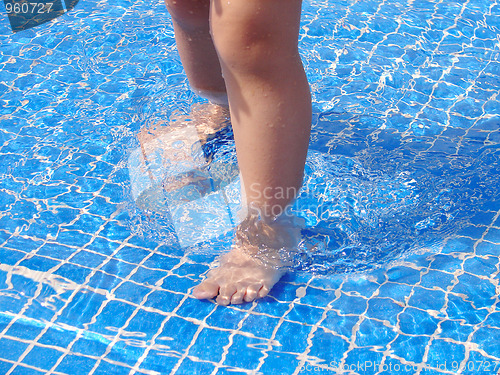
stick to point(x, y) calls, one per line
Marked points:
point(206, 290)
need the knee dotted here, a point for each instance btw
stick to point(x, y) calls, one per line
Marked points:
point(252, 41)
point(189, 14)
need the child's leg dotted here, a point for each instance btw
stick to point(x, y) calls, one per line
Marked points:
point(270, 106)
point(194, 43)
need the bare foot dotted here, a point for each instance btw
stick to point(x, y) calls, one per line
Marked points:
point(239, 278)
point(259, 258)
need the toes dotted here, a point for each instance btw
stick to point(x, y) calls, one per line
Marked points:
point(252, 292)
point(226, 292)
point(263, 292)
point(238, 296)
point(206, 290)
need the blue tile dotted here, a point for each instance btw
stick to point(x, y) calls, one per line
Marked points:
point(118, 268)
point(374, 334)
point(487, 248)
point(474, 232)
point(461, 309)
point(196, 309)
point(190, 269)
point(71, 362)
point(132, 292)
point(481, 266)
point(225, 318)
point(189, 366)
point(91, 345)
point(279, 363)
point(446, 263)
point(144, 325)
point(159, 360)
point(178, 284)
point(360, 285)
point(493, 235)
point(203, 347)
point(148, 276)
point(43, 358)
point(436, 278)
point(328, 348)
point(162, 262)
point(101, 280)
point(363, 360)
point(27, 287)
point(411, 348)
point(23, 244)
point(127, 351)
point(318, 297)
point(261, 326)
point(11, 349)
point(132, 254)
point(269, 307)
point(4, 366)
point(56, 251)
point(476, 364)
point(114, 315)
point(25, 329)
point(177, 334)
point(103, 246)
point(74, 273)
point(253, 349)
point(21, 370)
point(87, 259)
point(81, 309)
point(305, 314)
point(292, 337)
point(12, 302)
point(331, 282)
point(417, 322)
point(393, 366)
point(427, 299)
point(441, 354)
point(481, 293)
point(493, 319)
point(350, 304)
point(101, 207)
point(487, 338)
point(403, 274)
point(163, 300)
point(38, 263)
point(340, 324)
point(140, 241)
point(106, 368)
point(114, 231)
point(398, 292)
point(383, 309)
point(455, 330)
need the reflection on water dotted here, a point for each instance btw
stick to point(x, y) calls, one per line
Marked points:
point(375, 196)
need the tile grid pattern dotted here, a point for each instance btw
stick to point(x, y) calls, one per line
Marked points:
point(330, 308)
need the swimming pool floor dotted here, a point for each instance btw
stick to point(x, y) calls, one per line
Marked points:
point(87, 288)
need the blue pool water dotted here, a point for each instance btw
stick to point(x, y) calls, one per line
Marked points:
point(399, 265)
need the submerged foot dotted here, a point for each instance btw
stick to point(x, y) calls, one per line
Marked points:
point(239, 278)
point(256, 262)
